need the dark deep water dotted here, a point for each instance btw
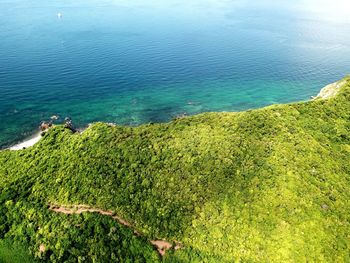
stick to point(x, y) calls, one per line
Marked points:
point(133, 62)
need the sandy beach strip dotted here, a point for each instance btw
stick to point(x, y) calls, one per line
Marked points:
point(26, 143)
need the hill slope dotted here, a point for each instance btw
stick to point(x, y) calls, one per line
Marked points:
point(268, 185)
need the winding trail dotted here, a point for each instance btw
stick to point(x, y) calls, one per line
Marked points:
point(161, 245)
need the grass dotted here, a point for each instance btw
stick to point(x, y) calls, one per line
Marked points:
point(10, 253)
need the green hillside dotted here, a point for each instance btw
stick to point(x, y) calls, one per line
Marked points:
point(267, 185)
point(10, 253)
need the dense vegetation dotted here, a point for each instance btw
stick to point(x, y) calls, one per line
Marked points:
point(267, 185)
point(10, 253)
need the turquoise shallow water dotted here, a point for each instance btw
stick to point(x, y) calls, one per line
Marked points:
point(133, 62)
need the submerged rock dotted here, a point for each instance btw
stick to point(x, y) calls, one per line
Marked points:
point(54, 117)
point(181, 116)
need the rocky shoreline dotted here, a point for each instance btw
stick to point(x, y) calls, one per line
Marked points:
point(44, 127)
point(327, 92)
point(330, 90)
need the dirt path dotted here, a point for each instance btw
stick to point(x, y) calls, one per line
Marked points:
point(161, 245)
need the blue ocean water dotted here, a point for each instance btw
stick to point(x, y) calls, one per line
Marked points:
point(133, 62)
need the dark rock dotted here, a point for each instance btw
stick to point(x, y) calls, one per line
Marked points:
point(68, 124)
